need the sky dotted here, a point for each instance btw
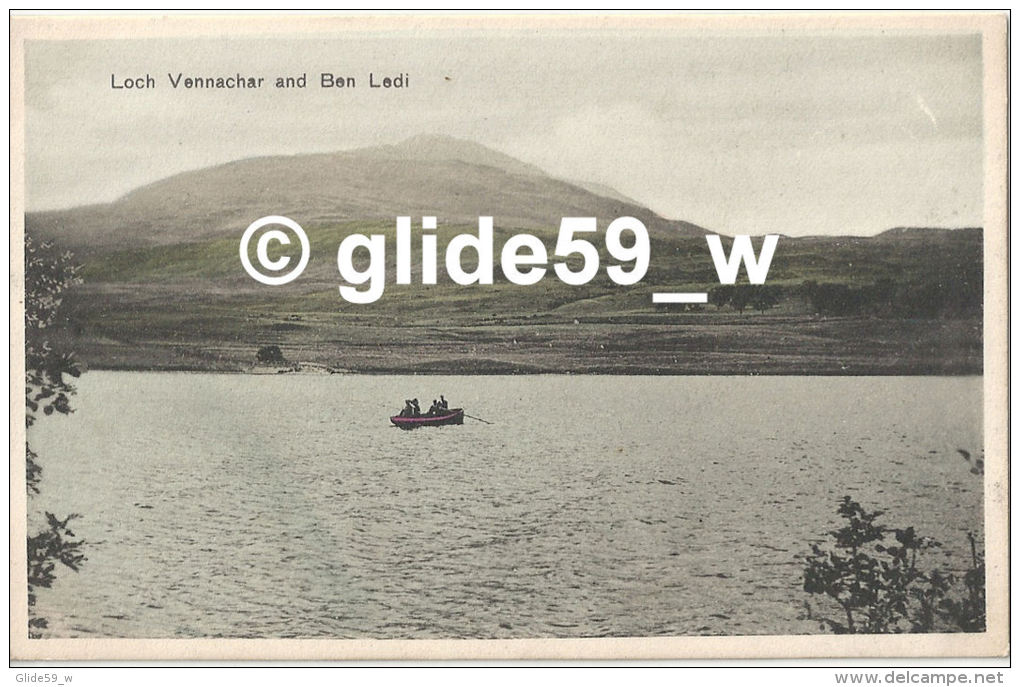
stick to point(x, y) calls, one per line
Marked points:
point(794, 134)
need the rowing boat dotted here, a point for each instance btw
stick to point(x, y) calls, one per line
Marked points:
point(453, 416)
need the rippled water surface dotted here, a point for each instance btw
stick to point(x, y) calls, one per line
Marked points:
point(287, 506)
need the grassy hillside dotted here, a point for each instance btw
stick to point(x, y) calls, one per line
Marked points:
point(190, 306)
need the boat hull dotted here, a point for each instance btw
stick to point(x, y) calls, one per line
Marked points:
point(454, 416)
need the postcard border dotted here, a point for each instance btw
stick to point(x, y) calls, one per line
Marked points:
point(992, 643)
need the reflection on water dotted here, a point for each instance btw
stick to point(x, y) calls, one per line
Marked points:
point(287, 506)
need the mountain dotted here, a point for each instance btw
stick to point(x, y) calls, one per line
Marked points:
point(927, 234)
point(603, 190)
point(163, 288)
point(445, 148)
point(454, 180)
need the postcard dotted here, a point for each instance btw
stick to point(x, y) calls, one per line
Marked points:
point(559, 336)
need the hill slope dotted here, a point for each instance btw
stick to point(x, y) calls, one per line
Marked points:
point(457, 181)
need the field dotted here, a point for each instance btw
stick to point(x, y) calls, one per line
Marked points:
point(190, 307)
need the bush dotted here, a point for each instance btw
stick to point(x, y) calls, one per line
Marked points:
point(876, 583)
point(872, 573)
point(270, 354)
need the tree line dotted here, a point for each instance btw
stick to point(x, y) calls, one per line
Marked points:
point(930, 299)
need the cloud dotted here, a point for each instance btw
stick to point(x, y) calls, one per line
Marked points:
point(738, 133)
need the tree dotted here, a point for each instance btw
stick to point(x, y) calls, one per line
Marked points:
point(764, 297)
point(49, 273)
point(835, 299)
point(720, 295)
point(741, 297)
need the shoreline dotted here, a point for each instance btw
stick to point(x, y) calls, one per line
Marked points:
point(436, 372)
point(320, 344)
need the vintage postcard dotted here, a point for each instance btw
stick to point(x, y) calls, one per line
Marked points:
point(509, 336)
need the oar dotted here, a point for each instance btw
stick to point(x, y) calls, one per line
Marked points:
point(478, 418)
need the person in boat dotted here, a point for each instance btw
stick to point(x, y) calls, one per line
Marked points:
point(443, 403)
point(415, 410)
point(434, 410)
point(408, 410)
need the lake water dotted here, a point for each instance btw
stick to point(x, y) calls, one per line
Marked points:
point(287, 506)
